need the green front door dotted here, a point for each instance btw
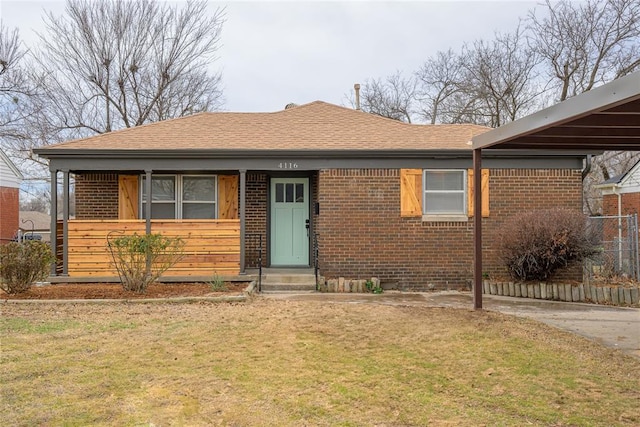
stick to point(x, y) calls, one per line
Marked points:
point(289, 221)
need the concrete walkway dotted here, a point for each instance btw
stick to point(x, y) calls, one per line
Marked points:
point(615, 327)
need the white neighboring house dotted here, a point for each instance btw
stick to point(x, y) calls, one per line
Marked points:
point(10, 180)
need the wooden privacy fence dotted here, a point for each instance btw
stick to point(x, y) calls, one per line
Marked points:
point(211, 246)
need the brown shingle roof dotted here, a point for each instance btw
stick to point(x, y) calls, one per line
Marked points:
point(314, 126)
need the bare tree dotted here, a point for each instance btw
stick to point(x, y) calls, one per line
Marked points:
point(109, 64)
point(10, 87)
point(114, 64)
point(392, 97)
point(440, 79)
point(38, 200)
point(500, 79)
point(586, 43)
point(14, 87)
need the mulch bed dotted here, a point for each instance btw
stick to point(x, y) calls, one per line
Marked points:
point(115, 291)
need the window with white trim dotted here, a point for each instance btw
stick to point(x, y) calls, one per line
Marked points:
point(444, 192)
point(181, 197)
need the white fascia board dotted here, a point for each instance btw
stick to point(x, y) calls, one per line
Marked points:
point(11, 165)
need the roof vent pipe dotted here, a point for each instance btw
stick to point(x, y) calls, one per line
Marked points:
point(356, 87)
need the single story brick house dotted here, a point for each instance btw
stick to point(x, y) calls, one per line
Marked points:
point(10, 179)
point(356, 194)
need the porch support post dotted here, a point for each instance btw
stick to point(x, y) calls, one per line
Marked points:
point(477, 229)
point(65, 222)
point(147, 214)
point(54, 218)
point(243, 205)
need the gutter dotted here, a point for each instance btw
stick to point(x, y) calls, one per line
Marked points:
point(587, 167)
point(324, 154)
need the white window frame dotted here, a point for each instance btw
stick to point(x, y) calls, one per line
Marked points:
point(445, 216)
point(178, 214)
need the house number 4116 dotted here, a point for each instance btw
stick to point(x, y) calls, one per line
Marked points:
point(287, 165)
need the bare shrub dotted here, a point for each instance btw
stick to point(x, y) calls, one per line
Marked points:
point(141, 260)
point(534, 245)
point(23, 264)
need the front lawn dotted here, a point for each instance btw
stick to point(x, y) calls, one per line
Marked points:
point(285, 363)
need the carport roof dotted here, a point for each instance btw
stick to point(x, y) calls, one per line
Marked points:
point(604, 118)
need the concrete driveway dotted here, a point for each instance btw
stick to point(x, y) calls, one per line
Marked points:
point(615, 327)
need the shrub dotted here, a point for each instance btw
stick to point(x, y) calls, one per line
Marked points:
point(217, 283)
point(534, 245)
point(22, 264)
point(141, 260)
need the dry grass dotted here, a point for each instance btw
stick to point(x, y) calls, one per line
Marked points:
point(302, 363)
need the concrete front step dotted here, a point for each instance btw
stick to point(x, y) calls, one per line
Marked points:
point(289, 278)
point(288, 291)
point(287, 287)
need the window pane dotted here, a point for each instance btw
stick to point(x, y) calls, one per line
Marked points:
point(289, 193)
point(163, 210)
point(199, 188)
point(163, 188)
point(279, 193)
point(438, 203)
point(445, 180)
point(199, 211)
point(299, 193)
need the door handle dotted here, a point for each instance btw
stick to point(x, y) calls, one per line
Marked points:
point(306, 225)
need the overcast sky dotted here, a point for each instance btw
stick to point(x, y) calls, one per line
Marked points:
point(274, 53)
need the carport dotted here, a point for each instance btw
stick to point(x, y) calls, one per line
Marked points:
point(605, 118)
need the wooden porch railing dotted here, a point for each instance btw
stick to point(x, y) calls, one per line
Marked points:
point(211, 246)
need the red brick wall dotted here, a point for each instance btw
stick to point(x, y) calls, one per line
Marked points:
point(9, 213)
point(96, 196)
point(362, 234)
point(630, 204)
point(256, 218)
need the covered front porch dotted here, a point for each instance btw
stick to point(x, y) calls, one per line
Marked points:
point(244, 223)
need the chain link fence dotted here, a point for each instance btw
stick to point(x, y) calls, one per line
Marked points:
point(618, 244)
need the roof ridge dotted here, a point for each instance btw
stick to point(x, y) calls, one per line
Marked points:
point(378, 116)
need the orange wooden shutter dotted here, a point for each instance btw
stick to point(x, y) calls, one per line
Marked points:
point(228, 196)
point(485, 192)
point(410, 192)
point(128, 197)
